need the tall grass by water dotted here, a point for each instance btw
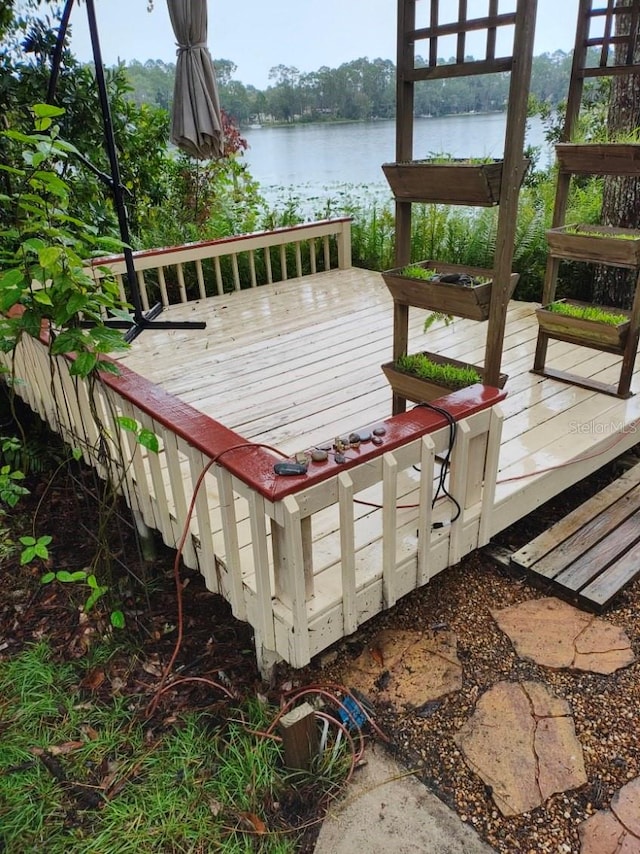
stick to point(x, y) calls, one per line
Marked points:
point(452, 234)
point(462, 235)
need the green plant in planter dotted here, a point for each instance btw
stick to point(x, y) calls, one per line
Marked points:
point(587, 312)
point(415, 271)
point(440, 157)
point(453, 376)
point(583, 232)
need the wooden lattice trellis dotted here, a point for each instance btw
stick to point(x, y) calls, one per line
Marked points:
point(424, 23)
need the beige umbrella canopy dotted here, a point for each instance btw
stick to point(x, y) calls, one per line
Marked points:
point(196, 125)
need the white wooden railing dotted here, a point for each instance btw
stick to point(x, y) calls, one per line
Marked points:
point(213, 267)
point(305, 560)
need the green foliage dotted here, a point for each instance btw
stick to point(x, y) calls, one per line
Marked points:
point(34, 548)
point(144, 437)
point(361, 89)
point(10, 489)
point(435, 316)
point(80, 576)
point(43, 254)
point(452, 376)
point(34, 454)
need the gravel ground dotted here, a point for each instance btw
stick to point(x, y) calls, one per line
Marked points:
point(605, 708)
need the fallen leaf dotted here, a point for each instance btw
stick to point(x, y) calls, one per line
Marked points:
point(117, 684)
point(152, 668)
point(93, 679)
point(216, 807)
point(89, 732)
point(63, 749)
point(256, 824)
point(377, 656)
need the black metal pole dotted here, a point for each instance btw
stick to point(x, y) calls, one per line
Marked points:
point(110, 143)
point(57, 53)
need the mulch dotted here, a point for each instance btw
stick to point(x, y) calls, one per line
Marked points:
point(220, 648)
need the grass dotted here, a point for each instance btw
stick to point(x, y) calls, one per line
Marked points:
point(587, 312)
point(453, 376)
point(442, 158)
point(581, 231)
point(78, 775)
point(414, 271)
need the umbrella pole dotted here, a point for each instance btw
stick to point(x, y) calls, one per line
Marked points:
point(141, 320)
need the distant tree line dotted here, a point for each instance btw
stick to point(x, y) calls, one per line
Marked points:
point(357, 90)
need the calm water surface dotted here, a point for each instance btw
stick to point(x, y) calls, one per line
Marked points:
point(319, 160)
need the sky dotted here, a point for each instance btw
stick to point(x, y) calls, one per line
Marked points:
point(257, 35)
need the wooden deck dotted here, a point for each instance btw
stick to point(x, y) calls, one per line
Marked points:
point(291, 363)
point(298, 363)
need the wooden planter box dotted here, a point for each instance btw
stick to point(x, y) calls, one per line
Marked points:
point(588, 333)
point(471, 302)
point(452, 183)
point(610, 158)
point(419, 390)
point(596, 243)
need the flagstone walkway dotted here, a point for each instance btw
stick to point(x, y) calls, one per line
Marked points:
point(521, 739)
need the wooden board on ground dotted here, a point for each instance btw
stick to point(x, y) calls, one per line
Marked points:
point(593, 552)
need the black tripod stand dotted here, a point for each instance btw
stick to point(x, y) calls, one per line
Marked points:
point(140, 319)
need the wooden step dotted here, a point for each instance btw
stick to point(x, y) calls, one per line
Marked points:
point(593, 552)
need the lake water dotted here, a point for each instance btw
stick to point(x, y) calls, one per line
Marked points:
point(318, 161)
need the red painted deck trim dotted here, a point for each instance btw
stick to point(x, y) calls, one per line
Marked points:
point(253, 463)
point(401, 429)
point(238, 238)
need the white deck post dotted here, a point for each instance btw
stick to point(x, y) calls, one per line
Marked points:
point(425, 514)
point(389, 528)
point(490, 475)
point(347, 553)
point(295, 571)
point(458, 488)
point(264, 627)
point(344, 246)
point(231, 546)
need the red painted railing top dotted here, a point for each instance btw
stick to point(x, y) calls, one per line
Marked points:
point(253, 463)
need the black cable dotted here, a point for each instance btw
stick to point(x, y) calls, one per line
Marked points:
point(441, 487)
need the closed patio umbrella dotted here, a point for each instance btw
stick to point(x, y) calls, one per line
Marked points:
point(196, 125)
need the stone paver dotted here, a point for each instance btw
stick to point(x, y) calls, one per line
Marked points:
point(616, 830)
point(521, 742)
point(407, 668)
point(555, 634)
